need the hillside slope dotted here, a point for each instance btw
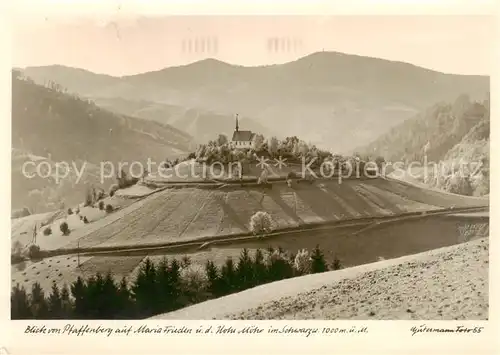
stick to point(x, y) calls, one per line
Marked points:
point(47, 121)
point(50, 125)
point(453, 139)
point(188, 214)
point(203, 125)
point(333, 99)
point(434, 131)
point(453, 281)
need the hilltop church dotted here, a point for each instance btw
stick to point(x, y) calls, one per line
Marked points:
point(242, 139)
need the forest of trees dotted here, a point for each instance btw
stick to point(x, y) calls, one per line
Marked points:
point(433, 132)
point(451, 138)
point(290, 148)
point(163, 287)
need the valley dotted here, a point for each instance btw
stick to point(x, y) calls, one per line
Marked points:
point(168, 239)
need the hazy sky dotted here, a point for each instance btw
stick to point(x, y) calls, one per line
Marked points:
point(452, 44)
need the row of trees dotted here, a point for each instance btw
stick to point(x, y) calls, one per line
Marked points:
point(291, 148)
point(163, 287)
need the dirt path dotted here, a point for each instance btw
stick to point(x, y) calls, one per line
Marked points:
point(443, 284)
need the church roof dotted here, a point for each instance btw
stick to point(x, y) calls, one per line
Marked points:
point(243, 136)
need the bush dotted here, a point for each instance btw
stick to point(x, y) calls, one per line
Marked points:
point(112, 189)
point(16, 253)
point(261, 223)
point(70, 211)
point(109, 208)
point(186, 261)
point(459, 184)
point(481, 184)
point(21, 213)
point(336, 265)
point(291, 175)
point(193, 282)
point(124, 181)
point(64, 228)
point(101, 205)
point(34, 252)
point(99, 195)
point(47, 231)
point(302, 262)
point(85, 220)
point(16, 258)
point(89, 196)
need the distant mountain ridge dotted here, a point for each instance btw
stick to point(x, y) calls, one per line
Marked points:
point(335, 100)
point(203, 125)
point(47, 120)
point(434, 131)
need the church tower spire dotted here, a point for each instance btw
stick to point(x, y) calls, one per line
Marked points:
point(237, 126)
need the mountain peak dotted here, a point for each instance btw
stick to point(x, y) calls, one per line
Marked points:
point(209, 62)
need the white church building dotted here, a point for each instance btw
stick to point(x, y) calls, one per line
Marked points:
point(242, 139)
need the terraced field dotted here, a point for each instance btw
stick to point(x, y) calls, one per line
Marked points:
point(190, 213)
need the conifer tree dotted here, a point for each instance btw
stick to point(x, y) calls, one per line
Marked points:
point(174, 274)
point(164, 285)
point(279, 267)
point(212, 273)
point(19, 304)
point(259, 268)
point(109, 298)
point(95, 290)
point(39, 306)
point(228, 277)
point(244, 271)
point(66, 304)
point(125, 304)
point(318, 263)
point(55, 303)
point(144, 289)
point(79, 293)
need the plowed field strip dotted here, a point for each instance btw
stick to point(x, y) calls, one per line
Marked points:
point(397, 203)
point(185, 208)
point(208, 220)
point(105, 228)
point(334, 192)
point(149, 219)
point(197, 214)
point(373, 199)
point(120, 266)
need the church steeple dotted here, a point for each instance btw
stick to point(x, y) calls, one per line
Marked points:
point(237, 126)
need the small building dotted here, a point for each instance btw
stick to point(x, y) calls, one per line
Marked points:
point(242, 139)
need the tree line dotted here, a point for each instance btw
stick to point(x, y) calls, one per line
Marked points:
point(163, 286)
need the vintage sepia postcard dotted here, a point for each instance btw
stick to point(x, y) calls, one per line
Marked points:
point(234, 176)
